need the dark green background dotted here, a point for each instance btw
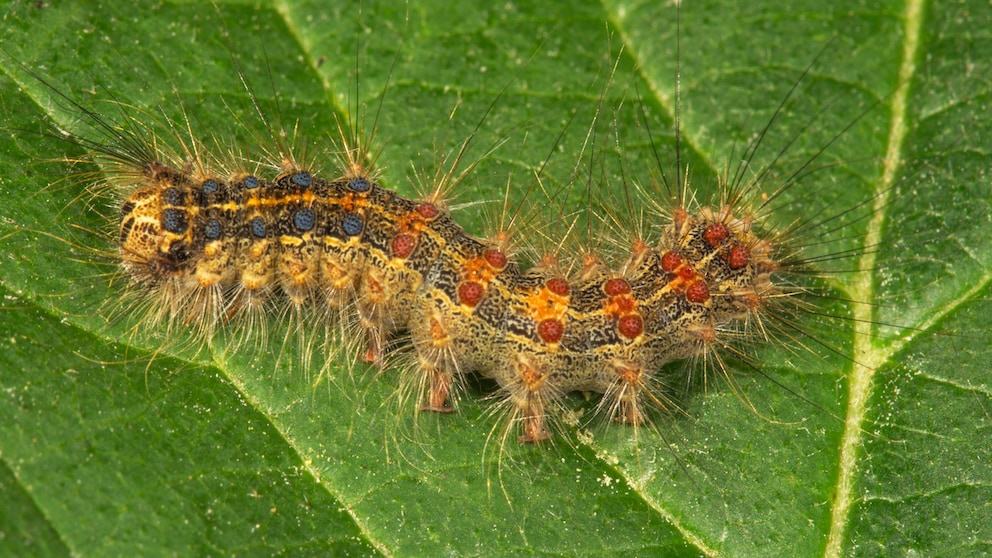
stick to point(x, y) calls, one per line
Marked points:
point(109, 446)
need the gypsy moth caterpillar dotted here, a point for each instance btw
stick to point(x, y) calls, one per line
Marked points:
point(758, 465)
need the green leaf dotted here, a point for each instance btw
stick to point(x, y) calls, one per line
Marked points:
point(870, 438)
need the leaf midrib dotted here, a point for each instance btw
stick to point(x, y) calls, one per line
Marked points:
point(862, 373)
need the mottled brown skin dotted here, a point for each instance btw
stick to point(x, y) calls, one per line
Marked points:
point(220, 244)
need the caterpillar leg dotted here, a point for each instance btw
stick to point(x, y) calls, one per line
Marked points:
point(626, 399)
point(373, 311)
point(438, 389)
point(528, 390)
point(430, 330)
point(374, 344)
point(534, 424)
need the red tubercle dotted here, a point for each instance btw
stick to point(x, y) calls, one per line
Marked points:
point(630, 326)
point(402, 245)
point(470, 293)
point(616, 287)
point(550, 330)
point(558, 286)
point(686, 272)
point(715, 234)
point(738, 256)
point(670, 261)
point(427, 210)
point(698, 292)
point(495, 258)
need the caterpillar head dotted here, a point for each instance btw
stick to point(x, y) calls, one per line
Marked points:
point(155, 227)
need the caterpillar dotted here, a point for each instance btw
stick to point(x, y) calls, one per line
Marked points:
point(330, 460)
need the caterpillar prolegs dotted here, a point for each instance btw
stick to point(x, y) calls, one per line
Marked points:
point(744, 456)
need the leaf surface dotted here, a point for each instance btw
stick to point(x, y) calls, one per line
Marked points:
point(870, 440)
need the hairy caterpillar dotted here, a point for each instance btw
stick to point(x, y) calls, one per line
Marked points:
point(747, 456)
